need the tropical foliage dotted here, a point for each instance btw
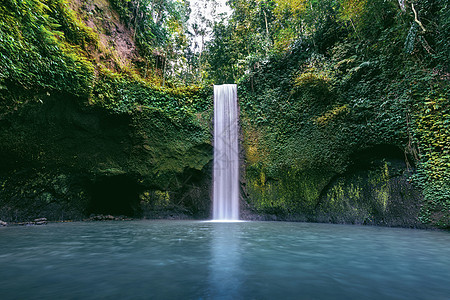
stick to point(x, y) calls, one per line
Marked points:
point(43, 46)
point(318, 81)
point(321, 79)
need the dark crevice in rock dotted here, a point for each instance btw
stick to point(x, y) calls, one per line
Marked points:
point(115, 195)
point(365, 159)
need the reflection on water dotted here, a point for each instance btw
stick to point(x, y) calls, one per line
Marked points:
point(198, 260)
point(225, 281)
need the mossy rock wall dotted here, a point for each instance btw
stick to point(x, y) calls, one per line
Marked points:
point(63, 159)
point(375, 189)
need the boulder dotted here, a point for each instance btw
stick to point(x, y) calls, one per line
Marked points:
point(40, 221)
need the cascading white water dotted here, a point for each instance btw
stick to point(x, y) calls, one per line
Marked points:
point(226, 155)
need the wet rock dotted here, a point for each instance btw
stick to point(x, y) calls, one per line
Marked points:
point(2, 223)
point(40, 221)
point(58, 193)
point(106, 218)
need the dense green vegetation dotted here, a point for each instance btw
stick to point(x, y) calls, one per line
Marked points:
point(73, 106)
point(160, 30)
point(320, 82)
point(40, 46)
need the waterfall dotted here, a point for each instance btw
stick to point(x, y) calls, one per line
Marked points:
point(226, 154)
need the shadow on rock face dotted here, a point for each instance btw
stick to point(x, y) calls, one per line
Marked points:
point(115, 195)
point(375, 190)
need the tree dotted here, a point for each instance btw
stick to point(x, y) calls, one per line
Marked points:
point(160, 30)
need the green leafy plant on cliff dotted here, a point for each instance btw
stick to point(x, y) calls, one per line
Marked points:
point(46, 48)
point(352, 74)
point(432, 124)
point(41, 51)
point(57, 78)
point(122, 94)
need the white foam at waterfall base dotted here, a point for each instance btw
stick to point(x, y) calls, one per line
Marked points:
point(226, 154)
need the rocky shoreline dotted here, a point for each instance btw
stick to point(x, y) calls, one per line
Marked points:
point(38, 221)
point(44, 221)
point(92, 218)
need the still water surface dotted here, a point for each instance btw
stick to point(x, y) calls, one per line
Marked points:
point(201, 260)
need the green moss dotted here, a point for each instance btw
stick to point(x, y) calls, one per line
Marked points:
point(123, 93)
point(168, 146)
point(47, 198)
point(35, 55)
point(285, 191)
point(432, 131)
point(162, 198)
point(75, 31)
point(315, 108)
point(53, 85)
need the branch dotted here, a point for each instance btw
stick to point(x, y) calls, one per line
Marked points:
point(426, 45)
point(401, 3)
point(416, 19)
